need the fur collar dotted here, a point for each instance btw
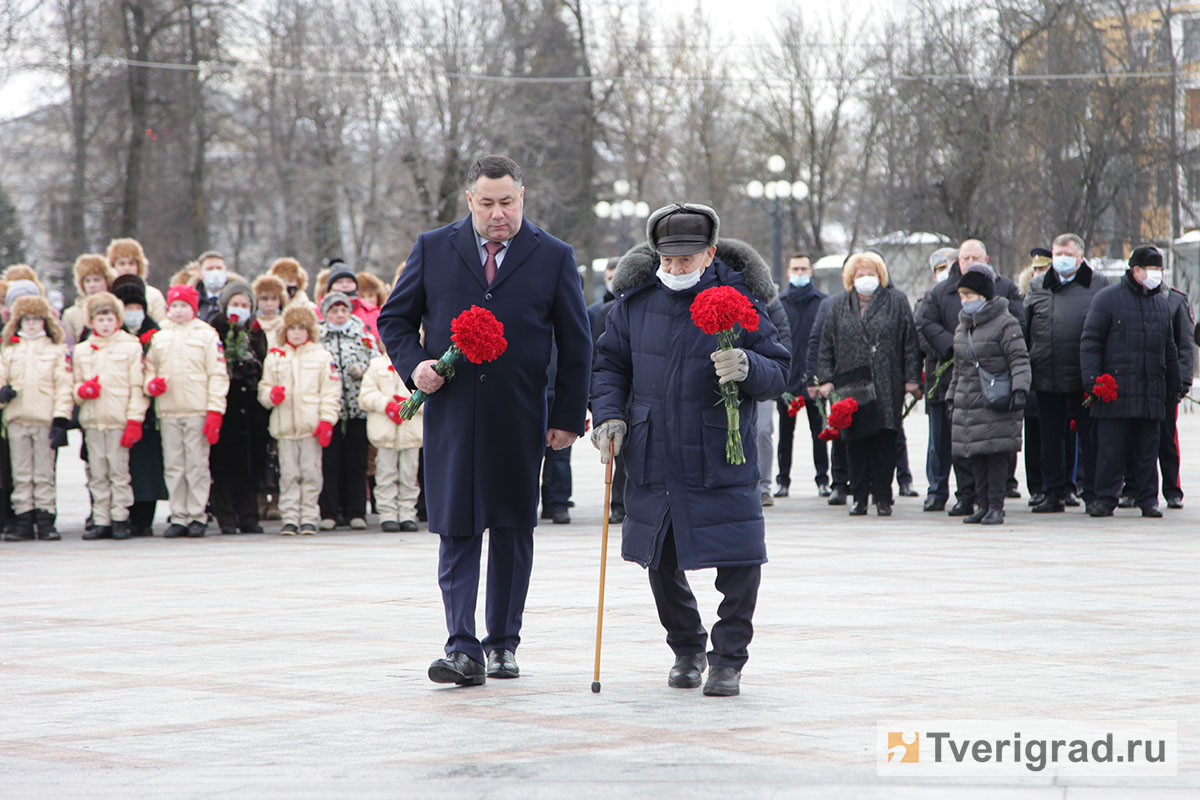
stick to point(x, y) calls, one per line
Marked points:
point(639, 265)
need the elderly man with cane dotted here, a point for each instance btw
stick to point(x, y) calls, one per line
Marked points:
point(656, 389)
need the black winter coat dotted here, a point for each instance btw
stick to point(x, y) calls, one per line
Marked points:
point(1055, 312)
point(1183, 325)
point(801, 305)
point(231, 456)
point(1127, 333)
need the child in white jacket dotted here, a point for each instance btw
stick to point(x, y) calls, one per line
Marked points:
point(35, 389)
point(397, 442)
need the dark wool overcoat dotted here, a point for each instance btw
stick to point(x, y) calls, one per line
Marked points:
point(485, 429)
point(653, 370)
point(977, 430)
point(1055, 310)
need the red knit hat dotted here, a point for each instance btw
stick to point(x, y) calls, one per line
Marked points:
point(185, 293)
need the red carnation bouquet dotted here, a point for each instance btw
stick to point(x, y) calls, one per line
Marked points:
point(841, 415)
point(717, 312)
point(1105, 389)
point(475, 334)
point(795, 403)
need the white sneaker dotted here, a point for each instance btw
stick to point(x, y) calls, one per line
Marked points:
point(327, 524)
point(358, 523)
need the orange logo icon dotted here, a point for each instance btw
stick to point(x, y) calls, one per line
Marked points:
point(904, 747)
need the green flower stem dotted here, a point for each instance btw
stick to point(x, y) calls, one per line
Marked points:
point(443, 367)
point(730, 394)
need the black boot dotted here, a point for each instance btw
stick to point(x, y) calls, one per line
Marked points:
point(121, 529)
point(45, 525)
point(23, 530)
point(838, 496)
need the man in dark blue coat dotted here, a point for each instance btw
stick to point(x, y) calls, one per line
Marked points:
point(839, 466)
point(486, 430)
point(800, 300)
point(657, 385)
point(1127, 334)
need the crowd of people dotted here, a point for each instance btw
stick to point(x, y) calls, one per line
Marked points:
point(233, 400)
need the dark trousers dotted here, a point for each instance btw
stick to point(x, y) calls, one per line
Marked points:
point(1033, 455)
point(903, 473)
point(1056, 411)
point(679, 614)
point(872, 463)
point(141, 513)
point(556, 479)
point(1168, 454)
point(344, 466)
point(787, 428)
point(510, 561)
point(937, 456)
point(839, 464)
point(617, 501)
point(234, 500)
point(991, 479)
point(1127, 444)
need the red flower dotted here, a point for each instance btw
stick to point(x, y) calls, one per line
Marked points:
point(147, 336)
point(1074, 427)
point(14, 339)
point(720, 308)
point(828, 434)
point(478, 334)
point(1105, 389)
point(368, 342)
point(841, 413)
point(795, 406)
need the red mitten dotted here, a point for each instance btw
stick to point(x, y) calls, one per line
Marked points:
point(212, 426)
point(278, 394)
point(132, 434)
point(393, 411)
point(89, 389)
point(156, 386)
point(324, 433)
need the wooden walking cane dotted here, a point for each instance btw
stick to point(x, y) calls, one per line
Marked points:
point(603, 562)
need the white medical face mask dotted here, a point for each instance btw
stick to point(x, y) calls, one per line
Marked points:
point(1064, 265)
point(800, 281)
point(942, 275)
point(866, 284)
point(1153, 279)
point(237, 315)
point(134, 319)
point(214, 280)
point(339, 328)
point(678, 283)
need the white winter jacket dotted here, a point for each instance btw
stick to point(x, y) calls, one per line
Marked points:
point(312, 389)
point(380, 386)
point(117, 361)
point(192, 360)
point(41, 373)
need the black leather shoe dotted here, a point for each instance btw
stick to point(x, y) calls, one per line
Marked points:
point(823, 490)
point(99, 532)
point(1071, 500)
point(616, 517)
point(883, 509)
point(121, 530)
point(1037, 499)
point(782, 491)
point(196, 529)
point(547, 513)
point(561, 517)
point(1126, 501)
point(389, 526)
point(975, 517)
point(1151, 511)
point(906, 490)
point(503, 664)
point(859, 509)
point(723, 682)
point(1098, 509)
point(1051, 505)
point(175, 531)
point(934, 504)
point(228, 530)
point(1012, 493)
point(685, 674)
point(994, 516)
point(457, 668)
point(255, 528)
point(837, 496)
point(1175, 502)
point(962, 509)
point(408, 526)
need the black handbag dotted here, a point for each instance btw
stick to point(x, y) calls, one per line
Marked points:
point(997, 388)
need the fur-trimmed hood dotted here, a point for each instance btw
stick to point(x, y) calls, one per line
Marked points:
point(289, 269)
point(90, 264)
point(102, 302)
point(32, 306)
point(639, 265)
point(298, 315)
point(128, 248)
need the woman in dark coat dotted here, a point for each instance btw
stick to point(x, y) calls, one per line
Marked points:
point(869, 352)
point(234, 500)
point(990, 338)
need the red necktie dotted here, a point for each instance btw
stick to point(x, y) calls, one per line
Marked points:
point(489, 266)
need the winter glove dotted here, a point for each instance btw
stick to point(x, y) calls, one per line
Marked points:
point(132, 434)
point(89, 389)
point(324, 433)
point(1017, 401)
point(156, 386)
point(393, 410)
point(212, 426)
point(58, 432)
point(7, 393)
point(355, 371)
point(278, 394)
point(732, 365)
point(611, 430)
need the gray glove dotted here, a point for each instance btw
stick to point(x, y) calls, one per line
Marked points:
point(611, 430)
point(355, 371)
point(732, 365)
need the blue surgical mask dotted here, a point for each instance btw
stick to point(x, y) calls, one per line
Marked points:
point(971, 306)
point(800, 281)
point(1064, 265)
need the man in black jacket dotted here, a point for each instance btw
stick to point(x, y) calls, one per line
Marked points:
point(801, 300)
point(937, 454)
point(938, 321)
point(1127, 334)
point(1183, 326)
point(1056, 306)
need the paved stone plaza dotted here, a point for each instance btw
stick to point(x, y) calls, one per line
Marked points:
point(289, 667)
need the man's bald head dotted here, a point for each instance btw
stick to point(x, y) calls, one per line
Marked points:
point(970, 251)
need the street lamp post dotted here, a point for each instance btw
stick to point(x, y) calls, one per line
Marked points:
point(777, 190)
